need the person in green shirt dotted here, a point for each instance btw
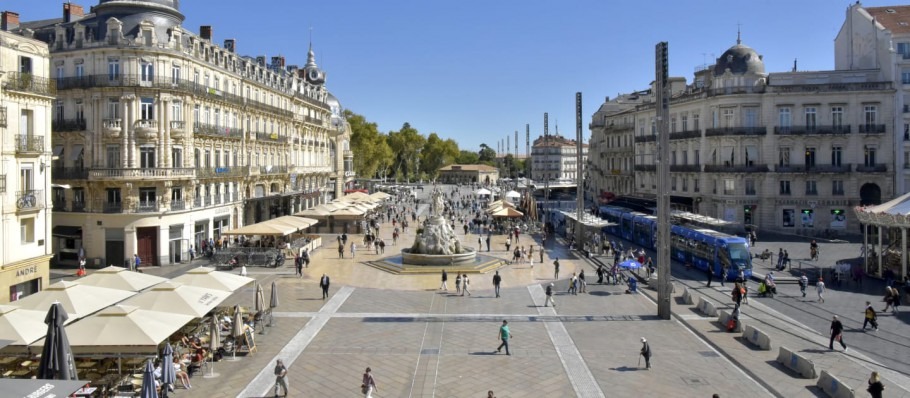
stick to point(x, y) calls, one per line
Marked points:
point(504, 335)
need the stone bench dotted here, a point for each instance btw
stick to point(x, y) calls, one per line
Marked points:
point(706, 306)
point(687, 296)
point(832, 386)
point(757, 337)
point(724, 316)
point(797, 363)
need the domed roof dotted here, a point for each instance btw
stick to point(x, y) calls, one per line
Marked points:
point(175, 4)
point(740, 59)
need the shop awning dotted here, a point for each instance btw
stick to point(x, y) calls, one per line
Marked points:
point(66, 231)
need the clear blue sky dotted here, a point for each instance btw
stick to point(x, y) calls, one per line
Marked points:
point(476, 71)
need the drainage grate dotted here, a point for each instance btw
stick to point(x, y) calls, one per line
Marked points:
point(429, 351)
point(708, 354)
point(694, 381)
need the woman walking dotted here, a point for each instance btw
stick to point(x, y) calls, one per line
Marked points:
point(368, 385)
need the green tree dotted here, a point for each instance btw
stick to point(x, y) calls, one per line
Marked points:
point(437, 153)
point(372, 154)
point(486, 154)
point(467, 157)
point(405, 144)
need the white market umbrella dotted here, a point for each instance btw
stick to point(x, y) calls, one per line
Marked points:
point(513, 194)
point(21, 326)
point(483, 191)
point(179, 298)
point(77, 299)
point(209, 278)
point(121, 278)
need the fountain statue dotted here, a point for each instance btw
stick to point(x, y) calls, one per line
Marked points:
point(436, 243)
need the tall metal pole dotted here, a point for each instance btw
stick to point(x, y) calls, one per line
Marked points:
point(546, 168)
point(579, 191)
point(528, 151)
point(663, 181)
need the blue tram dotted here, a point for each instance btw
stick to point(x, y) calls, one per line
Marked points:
point(703, 248)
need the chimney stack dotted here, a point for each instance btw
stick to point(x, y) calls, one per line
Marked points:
point(278, 62)
point(72, 12)
point(9, 20)
point(230, 45)
point(205, 32)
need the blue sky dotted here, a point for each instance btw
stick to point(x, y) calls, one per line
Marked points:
point(476, 71)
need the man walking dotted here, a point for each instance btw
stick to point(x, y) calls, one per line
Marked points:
point(573, 285)
point(646, 352)
point(837, 333)
point(871, 317)
point(820, 288)
point(464, 284)
point(353, 249)
point(710, 275)
point(582, 285)
point(298, 265)
point(445, 278)
point(541, 254)
point(496, 281)
point(137, 261)
point(324, 284)
point(281, 378)
point(504, 335)
point(556, 268)
point(549, 296)
point(803, 283)
point(488, 243)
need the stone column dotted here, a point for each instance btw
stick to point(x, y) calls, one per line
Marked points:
point(866, 245)
point(161, 112)
point(903, 251)
point(881, 251)
point(125, 131)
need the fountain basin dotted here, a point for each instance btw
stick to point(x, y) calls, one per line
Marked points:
point(438, 259)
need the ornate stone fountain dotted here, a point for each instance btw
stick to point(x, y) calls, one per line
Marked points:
point(436, 243)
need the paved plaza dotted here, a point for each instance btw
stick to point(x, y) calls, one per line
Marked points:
point(421, 341)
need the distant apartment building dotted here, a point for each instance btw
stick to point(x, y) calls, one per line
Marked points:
point(469, 174)
point(787, 151)
point(163, 138)
point(555, 158)
point(26, 95)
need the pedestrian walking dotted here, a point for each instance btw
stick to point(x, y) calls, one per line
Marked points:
point(550, 299)
point(541, 253)
point(479, 243)
point(457, 283)
point(837, 333)
point(445, 278)
point(820, 288)
point(298, 265)
point(871, 317)
point(496, 281)
point(737, 296)
point(504, 335)
point(341, 250)
point(876, 388)
point(324, 284)
point(368, 385)
point(803, 283)
point(556, 268)
point(353, 249)
point(646, 352)
point(889, 299)
point(137, 261)
point(488, 243)
point(710, 275)
point(243, 270)
point(582, 285)
point(573, 287)
point(281, 378)
point(464, 284)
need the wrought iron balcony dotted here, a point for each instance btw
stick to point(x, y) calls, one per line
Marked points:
point(112, 207)
point(29, 83)
point(2, 116)
point(178, 205)
point(68, 173)
point(211, 130)
point(222, 172)
point(736, 168)
point(273, 169)
point(790, 168)
point(273, 137)
point(646, 138)
point(682, 135)
point(812, 130)
point(29, 144)
point(685, 168)
point(147, 207)
point(78, 206)
point(32, 199)
point(645, 167)
point(872, 128)
point(142, 173)
point(872, 168)
point(197, 202)
point(217, 197)
point(59, 204)
point(828, 168)
point(736, 90)
point(63, 125)
point(3, 184)
point(738, 130)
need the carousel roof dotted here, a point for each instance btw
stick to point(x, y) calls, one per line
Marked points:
point(894, 213)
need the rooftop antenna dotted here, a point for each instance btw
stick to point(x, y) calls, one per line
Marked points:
point(738, 40)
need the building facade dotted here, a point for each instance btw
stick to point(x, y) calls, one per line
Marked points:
point(163, 138)
point(788, 151)
point(26, 95)
point(468, 174)
point(555, 158)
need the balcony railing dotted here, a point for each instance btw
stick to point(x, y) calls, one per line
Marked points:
point(815, 88)
point(29, 83)
point(645, 167)
point(685, 168)
point(210, 130)
point(29, 200)
point(222, 172)
point(646, 138)
point(273, 169)
point(59, 204)
point(207, 200)
point(78, 206)
point(872, 168)
point(2, 116)
point(682, 135)
point(790, 168)
point(217, 198)
point(197, 202)
point(620, 126)
point(736, 168)
point(273, 137)
point(3, 184)
point(29, 143)
point(147, 207)
point(69, 173)
point(811, 130)
point(739, 130)
point(112, 207)
point(178, 205)
point(102, 173)
point(872, 128)
point(736, 90)
point(828, 168)
point(62, 125)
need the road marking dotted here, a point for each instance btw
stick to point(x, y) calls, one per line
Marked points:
point(265, 380)
point(576, 369)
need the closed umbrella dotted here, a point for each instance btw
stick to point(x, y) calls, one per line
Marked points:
point(168, 375)
point(237, 331)
point(149, 389)
point(260, 301)
point(56, 356)
point(214, 343)
point(273, 302)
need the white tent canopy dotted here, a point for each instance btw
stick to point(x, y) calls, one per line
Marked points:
point(207, 277)
point(178, 298)
point(121, 278)
point(513, 194)
point(77, 299)
point(22, 326)
point(483, 191)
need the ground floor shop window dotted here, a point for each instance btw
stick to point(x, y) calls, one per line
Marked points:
point(24, 289)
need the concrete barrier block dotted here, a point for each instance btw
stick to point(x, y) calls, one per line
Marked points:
point(724, 316)
point(706, 306)
point(757, 337)
point(832, 386)
point(797, 363)
point(687, 296)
